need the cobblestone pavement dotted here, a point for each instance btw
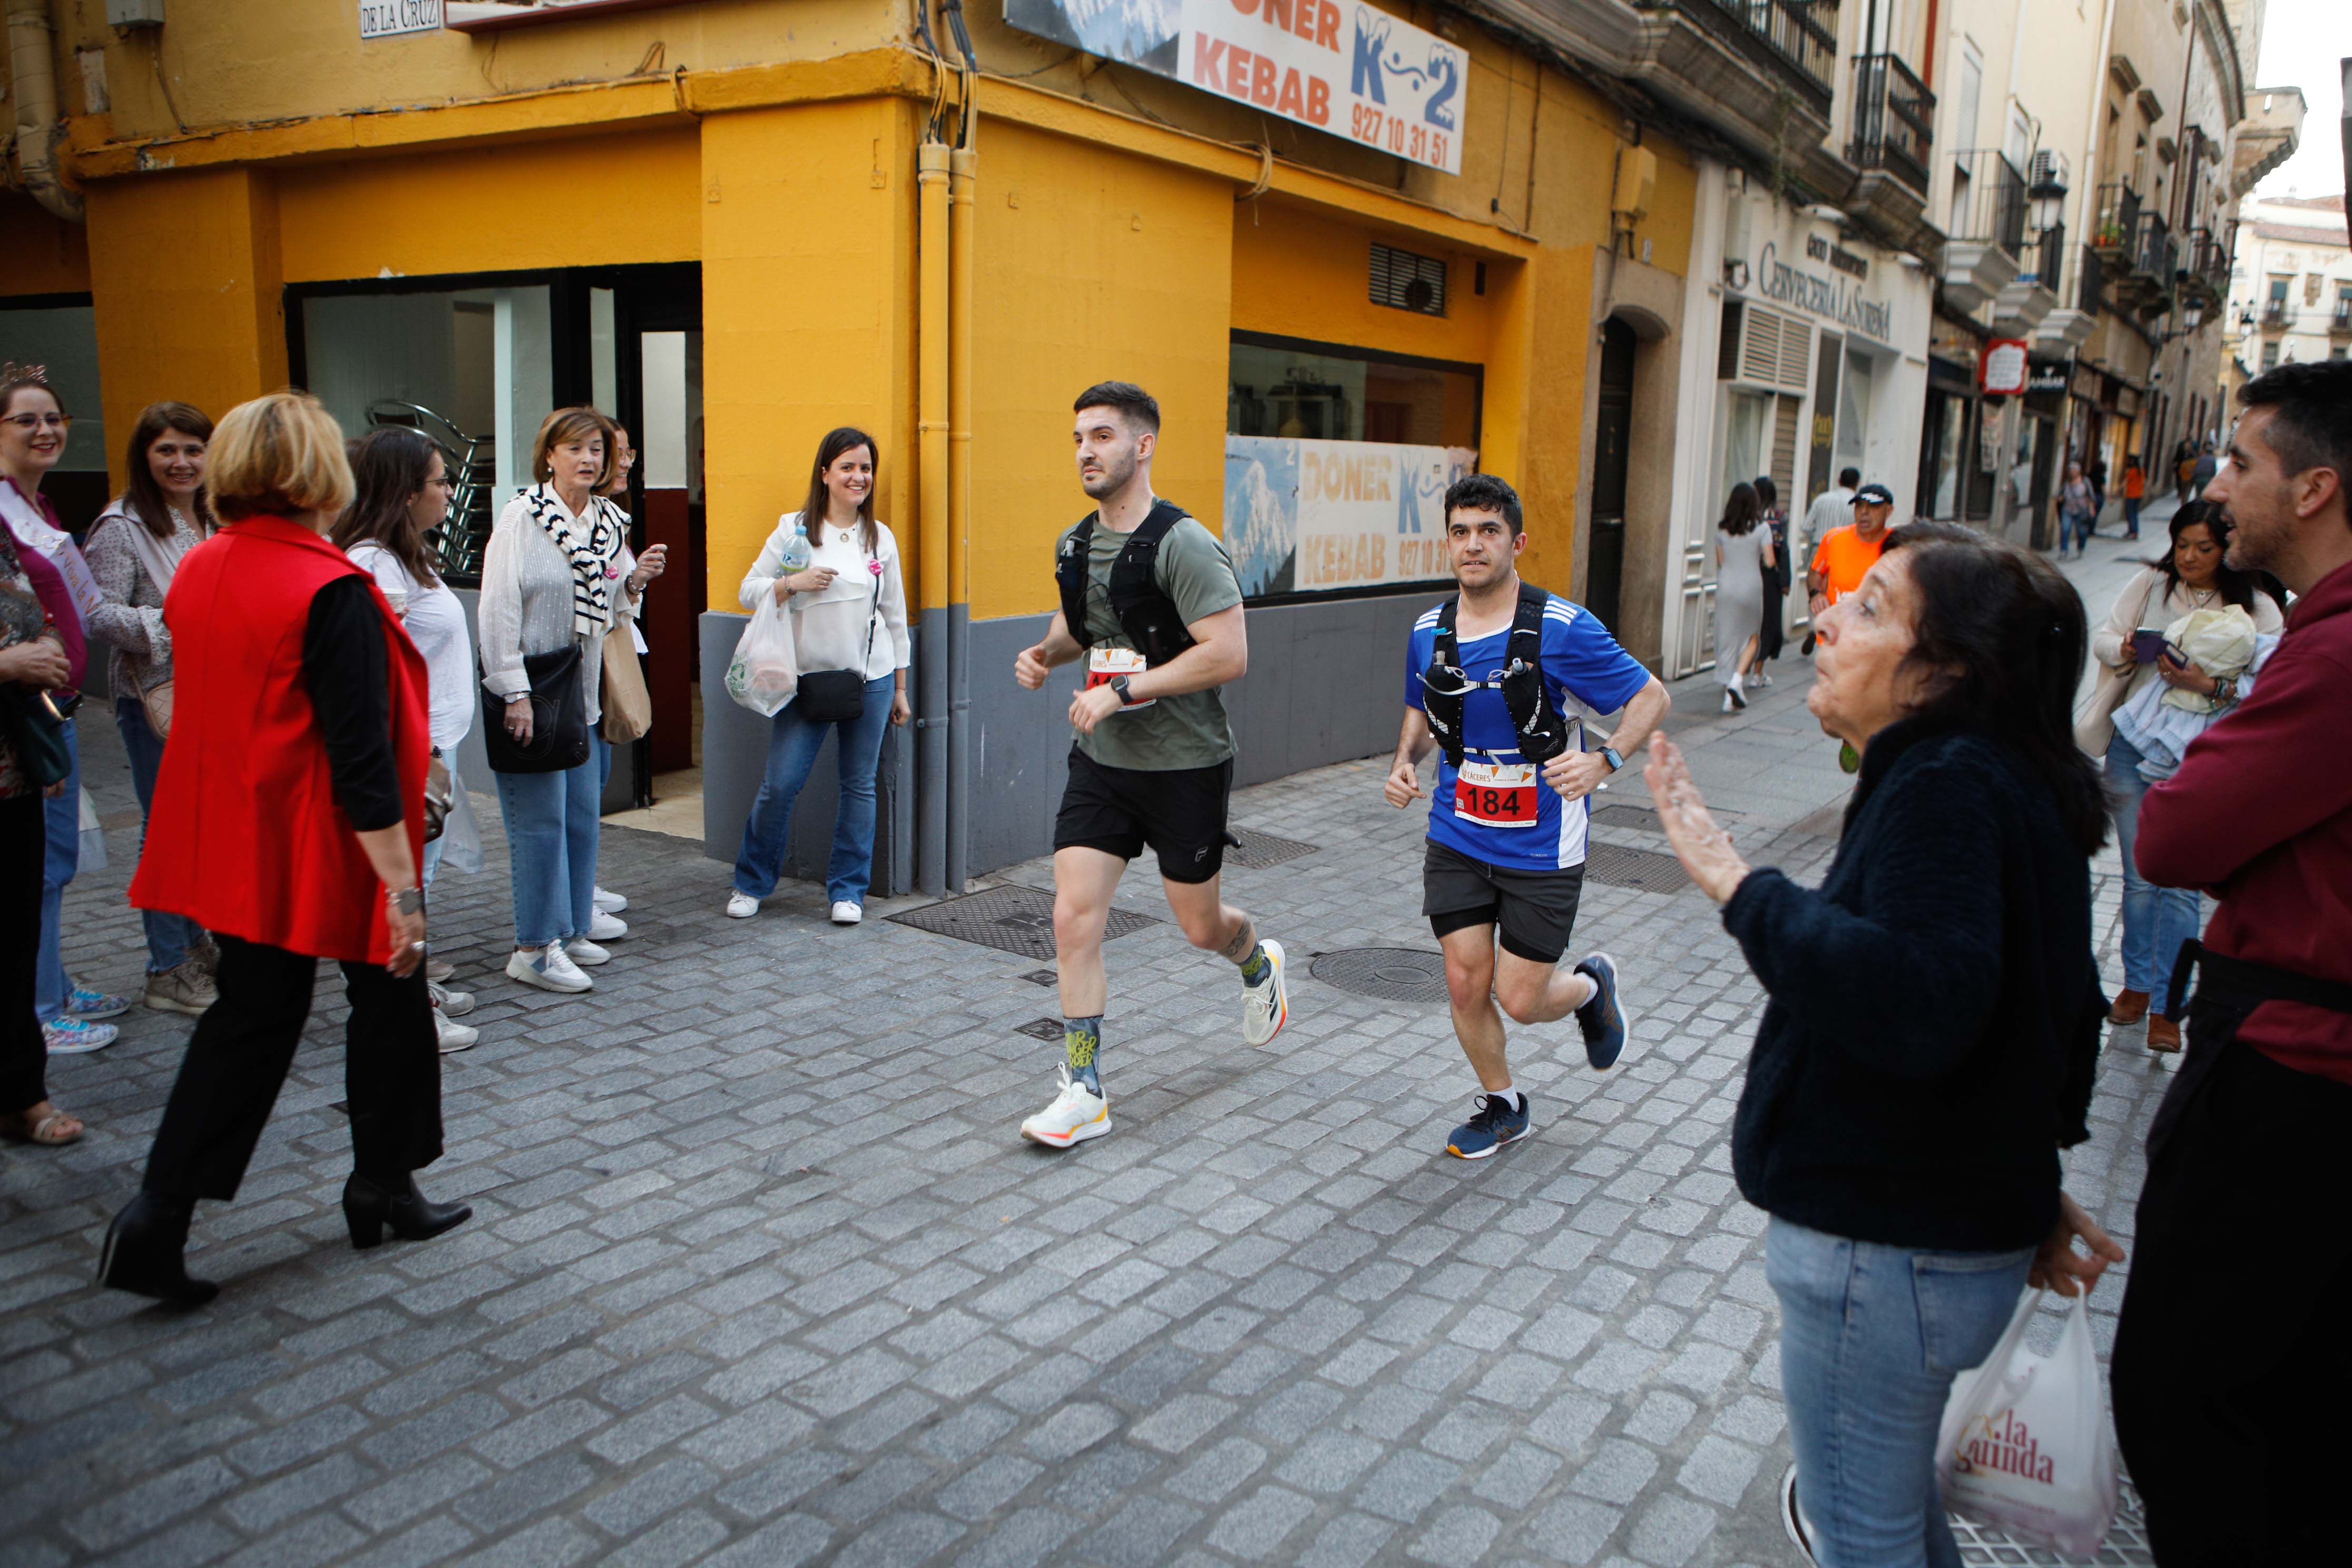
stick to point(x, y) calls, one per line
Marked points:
point(761, 1274)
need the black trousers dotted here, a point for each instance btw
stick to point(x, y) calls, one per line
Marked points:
point(2231, 1373)
point(23, 1052)
point(242, 1046)
point(1770, 637)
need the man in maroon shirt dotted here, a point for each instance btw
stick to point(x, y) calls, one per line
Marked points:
point(2230, 1376)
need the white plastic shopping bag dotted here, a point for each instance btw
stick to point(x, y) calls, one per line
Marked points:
point(2026, 1446)
point(765, 670)
point(93, 837)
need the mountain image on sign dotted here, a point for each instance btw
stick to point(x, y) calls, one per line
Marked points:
point(1132, 32)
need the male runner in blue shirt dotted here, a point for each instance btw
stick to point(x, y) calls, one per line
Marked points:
point(1506, 824)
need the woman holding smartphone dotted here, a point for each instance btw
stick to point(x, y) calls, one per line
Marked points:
point(2190, 576)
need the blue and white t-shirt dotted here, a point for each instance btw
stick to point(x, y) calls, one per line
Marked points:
point(1498, 808)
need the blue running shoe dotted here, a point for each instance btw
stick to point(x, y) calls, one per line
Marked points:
point(1491, 1126)
point(1603, 1020)
point(84, 1003)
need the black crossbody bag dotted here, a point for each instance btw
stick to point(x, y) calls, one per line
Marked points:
point(559, 718)
point(838, 696)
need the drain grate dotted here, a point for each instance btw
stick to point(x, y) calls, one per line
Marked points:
point(1390, 973)
point(1641, 817)
point(1008, 919)
point(1042, 977)
point(1981, 1546)
point(1646, 870)
point(1042, 1029)
point(1259, 850)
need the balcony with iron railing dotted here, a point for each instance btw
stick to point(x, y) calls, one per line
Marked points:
point(1794, 41)
point(2076, 287)
point(1894, 114)
point(1986, 232)
point(2275, 315)
point(2205, 269)
point(2116, 228)
point(2018, 310)
point(2339, 323)
point(2151, 268)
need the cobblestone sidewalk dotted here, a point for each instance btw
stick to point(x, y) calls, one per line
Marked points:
point(761, 1274)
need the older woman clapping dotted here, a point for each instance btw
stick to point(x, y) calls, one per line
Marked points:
point(1933, 1021)
point(288, 818)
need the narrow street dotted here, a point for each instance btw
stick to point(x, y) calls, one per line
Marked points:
point(761, 1274)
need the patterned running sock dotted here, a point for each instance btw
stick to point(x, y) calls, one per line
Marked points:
point(1081, 1038)
point(1256, 966)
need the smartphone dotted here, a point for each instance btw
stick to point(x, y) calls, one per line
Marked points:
point(2147, 643)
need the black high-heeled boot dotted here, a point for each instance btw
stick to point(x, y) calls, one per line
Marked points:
point(144, 1252)
point(372, 1204)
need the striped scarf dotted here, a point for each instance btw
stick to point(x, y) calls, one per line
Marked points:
point(593, 544)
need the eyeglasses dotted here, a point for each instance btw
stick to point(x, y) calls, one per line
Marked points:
point(28, 423)
point(444, 482)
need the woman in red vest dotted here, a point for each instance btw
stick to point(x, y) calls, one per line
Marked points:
point(288, 821)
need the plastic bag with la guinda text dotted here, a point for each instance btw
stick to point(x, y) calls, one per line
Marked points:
point(2026, 1446)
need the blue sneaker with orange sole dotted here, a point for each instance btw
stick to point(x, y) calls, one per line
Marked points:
point(1603, 1020)
point(1491, 1126)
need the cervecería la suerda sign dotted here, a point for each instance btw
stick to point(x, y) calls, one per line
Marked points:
point(1340, 65)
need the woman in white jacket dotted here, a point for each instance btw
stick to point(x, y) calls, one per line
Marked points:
point(848, 607)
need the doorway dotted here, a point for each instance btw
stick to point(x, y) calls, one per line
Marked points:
point(1604, 569)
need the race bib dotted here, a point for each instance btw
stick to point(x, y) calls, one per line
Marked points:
point(1105, 665)
point(1495, 794)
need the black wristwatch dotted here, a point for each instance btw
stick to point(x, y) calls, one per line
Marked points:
point(1615, 762)
point(1118, 684)
point(404, 900)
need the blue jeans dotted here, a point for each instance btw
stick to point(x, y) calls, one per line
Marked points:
point(551, 824)
point(61, 857)
point(1870, 1339)
point(2073, 531)
point(2131, 517)
point(793, 746)
point(169, 937)
point(2157, 921)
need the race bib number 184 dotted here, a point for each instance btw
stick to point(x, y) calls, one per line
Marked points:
point(1495, 794)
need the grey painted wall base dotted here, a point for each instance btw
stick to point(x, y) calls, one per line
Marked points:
point(1326, 684)
point(735, 757)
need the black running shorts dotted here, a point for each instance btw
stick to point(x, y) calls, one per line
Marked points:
point(1537, 910)
point(1179, 812)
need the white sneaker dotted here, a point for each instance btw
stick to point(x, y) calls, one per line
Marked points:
point(1265, 1006)
point(453, 1035)
point(845, 913)
point(547, 968)
point(740, 905)
point(1076, 1114)
point(602, 927)
point(437, 972)
point(585, 954)
point(68, 1036)
point(610, 903)
point(454, 1003)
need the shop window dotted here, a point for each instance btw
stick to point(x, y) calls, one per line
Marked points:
point(1746, 416)
point(1946, 434)
point(1852, 446)
point(63, 339)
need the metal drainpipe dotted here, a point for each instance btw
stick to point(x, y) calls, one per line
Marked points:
point(932, 411)
point(963, 166)
point(32, 69)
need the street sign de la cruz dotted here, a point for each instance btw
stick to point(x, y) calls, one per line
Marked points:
point(390, 18)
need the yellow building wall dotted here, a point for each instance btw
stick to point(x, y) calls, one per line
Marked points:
point(808, 314)
point(46, 255)
point(188, 295)
point(1301, 272)
point(1092, 266)
point(584, 201)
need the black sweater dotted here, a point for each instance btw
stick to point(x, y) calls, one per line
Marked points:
point(1935, 1008)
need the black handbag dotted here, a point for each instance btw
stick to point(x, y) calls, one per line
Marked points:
point(37, 733)
point(838, 696)
point(559, 718)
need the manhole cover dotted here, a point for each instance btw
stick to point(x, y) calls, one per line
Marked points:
point(1646, 870)
point(1008, 919)
point(1390, 974)
point(1042, 1029)
point(1263, 849)
point(1640, 817)
point(1042, 977)
point(1981, 1546)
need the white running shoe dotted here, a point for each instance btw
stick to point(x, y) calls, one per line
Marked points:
point(602, 927)
point(453, 1035)
point(547, 968)
point(1265, 1006)
point(454, 1003)
point(740, 905)
point(1076, 1114)
point(437, 972)
point(610, 903)
point(845, 913)
point(585, 954)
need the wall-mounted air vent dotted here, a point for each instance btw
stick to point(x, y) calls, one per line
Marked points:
point(1405, 281)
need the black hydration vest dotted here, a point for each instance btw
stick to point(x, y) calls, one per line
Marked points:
point(1148, 616)
point(1445, 687)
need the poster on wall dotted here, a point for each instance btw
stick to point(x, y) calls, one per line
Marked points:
point(1323, 517)
point(1340, 65)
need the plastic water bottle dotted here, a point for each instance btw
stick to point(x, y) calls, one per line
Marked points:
point(796, 553)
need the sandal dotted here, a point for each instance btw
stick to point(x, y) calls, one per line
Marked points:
point(52, 1130)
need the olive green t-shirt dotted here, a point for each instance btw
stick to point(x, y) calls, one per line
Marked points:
point(1186, 731)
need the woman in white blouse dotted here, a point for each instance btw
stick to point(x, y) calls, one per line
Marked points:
point(848, 607)
point(558, 571)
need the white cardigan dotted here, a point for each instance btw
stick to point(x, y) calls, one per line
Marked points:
point(2146, 601)
point(828, 630)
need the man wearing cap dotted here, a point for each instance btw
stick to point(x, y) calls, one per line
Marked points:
point(1845, 554)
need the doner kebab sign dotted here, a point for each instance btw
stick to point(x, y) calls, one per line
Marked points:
point(1340, 65)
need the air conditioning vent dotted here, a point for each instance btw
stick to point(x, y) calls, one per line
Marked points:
point(2047, 174)
point(1405, 281)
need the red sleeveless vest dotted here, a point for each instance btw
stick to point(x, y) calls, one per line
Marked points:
point(245, 836)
